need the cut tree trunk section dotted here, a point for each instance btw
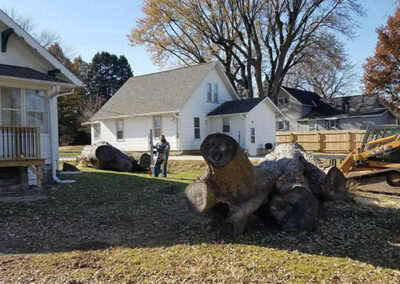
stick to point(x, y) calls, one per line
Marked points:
point(285, 188)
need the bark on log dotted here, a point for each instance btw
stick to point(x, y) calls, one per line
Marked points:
point(231, 189)
point(142, 160)
point(286, 187)
point(106, 157)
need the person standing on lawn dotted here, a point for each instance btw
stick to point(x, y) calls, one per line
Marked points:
point(162, 156)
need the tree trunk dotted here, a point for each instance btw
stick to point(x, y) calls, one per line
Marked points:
point(286, 187)
point(106, 157)
point(231, 189)
point(142, 160)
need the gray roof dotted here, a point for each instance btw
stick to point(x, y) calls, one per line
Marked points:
point(237, 106)
point(155, 93)
point(348, 106)
point(305, 97)
point(26, 73)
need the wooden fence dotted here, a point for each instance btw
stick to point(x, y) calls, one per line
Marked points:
point(334, 141)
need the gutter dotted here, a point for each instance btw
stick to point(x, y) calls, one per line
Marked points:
point(54, 132)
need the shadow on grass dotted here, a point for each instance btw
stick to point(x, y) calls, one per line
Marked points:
point(106, 209)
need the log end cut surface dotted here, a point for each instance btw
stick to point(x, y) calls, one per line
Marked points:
point(219, 149)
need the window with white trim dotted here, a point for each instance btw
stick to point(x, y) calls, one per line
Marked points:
point(11, 106)
point(120, 129)
point(196, 124)
point(209, 92)
point(226, 124)
point(283, 101)
point(96, 131)
point(252, 135)
point(312, 125)
point(282, 125)
point(331, 124)
point(35, 109)
point(215, 94)
point(157, 126)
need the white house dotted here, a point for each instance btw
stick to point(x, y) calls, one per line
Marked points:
point(184, 104)
point(31, 79)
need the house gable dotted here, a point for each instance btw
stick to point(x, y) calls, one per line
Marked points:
point(24, 51)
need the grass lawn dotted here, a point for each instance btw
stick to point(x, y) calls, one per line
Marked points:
point(118, 227)
point(70, 151)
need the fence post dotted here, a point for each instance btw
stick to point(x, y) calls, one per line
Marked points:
point(319, 148)
point(38, 154)
point(348, 141)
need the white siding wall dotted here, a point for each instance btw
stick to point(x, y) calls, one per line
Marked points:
point(262, 118)
point(136, 131)
point(237, 127)
point(197, 106)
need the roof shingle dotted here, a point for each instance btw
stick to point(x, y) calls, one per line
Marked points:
point(155, 93)
point(26, 73)
point(238, 106)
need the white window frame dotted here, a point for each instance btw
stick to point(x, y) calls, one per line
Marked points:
point(96, 134)
point(226, 122)
point(310, 128)
point(196, 128)
point(283, 101)
point(44, 126)
point(252, 135)
point(215, 93)
point(209, 92)
point(282, 125)
point(122, 130)
point(21, 109)
point(157, 127)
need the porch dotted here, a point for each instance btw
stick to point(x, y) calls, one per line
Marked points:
point(20, 147)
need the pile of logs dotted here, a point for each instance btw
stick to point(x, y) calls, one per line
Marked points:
point(285, 188)
point(106, 157)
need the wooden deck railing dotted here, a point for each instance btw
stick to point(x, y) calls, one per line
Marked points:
point(332, 141)
point(19, 142)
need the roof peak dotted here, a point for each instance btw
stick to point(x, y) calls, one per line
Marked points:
point(175, 69)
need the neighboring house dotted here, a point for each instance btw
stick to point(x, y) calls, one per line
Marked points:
point(185, 104)
point(307, 111)
point(31, 79)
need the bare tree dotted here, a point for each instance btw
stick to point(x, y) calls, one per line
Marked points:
point(255, 40)
point(45, 37)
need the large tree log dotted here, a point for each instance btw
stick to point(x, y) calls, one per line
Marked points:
point(141, 161)
point(106, 157)
point(283, 188)
point(231, 189)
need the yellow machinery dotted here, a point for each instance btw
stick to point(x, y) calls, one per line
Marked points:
point(375, 164)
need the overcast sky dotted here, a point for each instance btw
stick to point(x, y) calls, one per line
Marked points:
point(89, 26)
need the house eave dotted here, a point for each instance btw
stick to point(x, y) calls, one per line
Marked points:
point(227, 114)
point(12, 79)
point(346, 117)
point(135, 115)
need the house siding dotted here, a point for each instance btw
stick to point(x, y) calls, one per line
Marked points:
point(237, 127)
point(136, 132)
point(293, 111)
point(262, 118)
point(197, 106)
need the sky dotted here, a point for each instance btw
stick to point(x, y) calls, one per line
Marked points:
point(90, 26)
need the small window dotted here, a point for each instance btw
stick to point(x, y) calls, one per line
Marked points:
point(312, 125)
point(252, 135)
point(209, 92)
point(197, 128)
point(215, 98)
point(332, 124)
point(283, 101)
point(96, 130)
point(120, 129)
point(226, 124)
point(282, 125)
point(157, 127)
